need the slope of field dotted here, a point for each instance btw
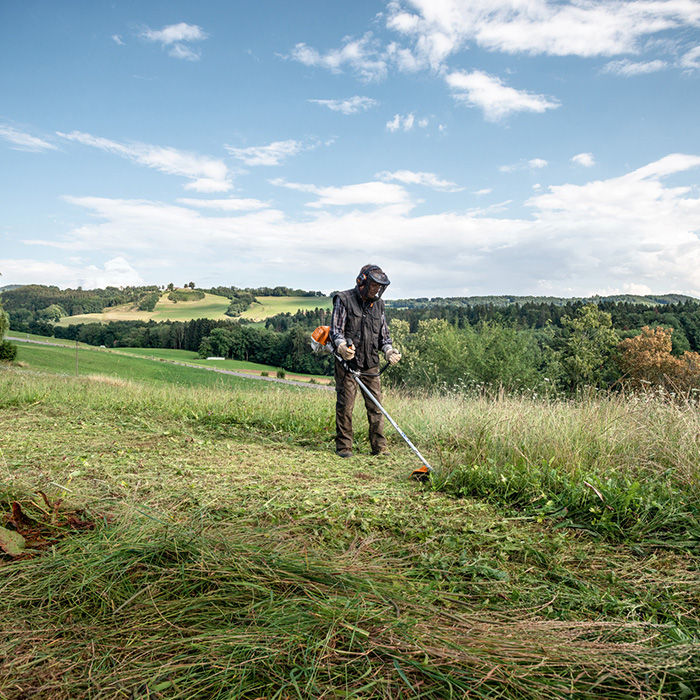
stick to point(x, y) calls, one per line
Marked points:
point(140, 363)
point(211, 306)
point(232, 554)
point(238, 365)
point(270, 306)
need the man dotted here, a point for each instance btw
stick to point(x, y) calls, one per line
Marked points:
point(359, 332)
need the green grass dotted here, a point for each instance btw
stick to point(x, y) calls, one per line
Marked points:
point(236, 556)
point(108, 364)
point(212, 306)
point(194, 358)
point(271, 306)
point(46, 339)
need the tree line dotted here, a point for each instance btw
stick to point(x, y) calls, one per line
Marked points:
point(584, 350)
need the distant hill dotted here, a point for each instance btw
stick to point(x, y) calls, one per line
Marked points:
point(507, 300)
point(8, 287)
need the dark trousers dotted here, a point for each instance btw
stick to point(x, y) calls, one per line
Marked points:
point(346, 389)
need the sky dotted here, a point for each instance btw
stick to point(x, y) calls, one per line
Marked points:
point(529, 147)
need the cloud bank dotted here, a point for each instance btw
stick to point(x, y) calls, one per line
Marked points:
point(580, 239)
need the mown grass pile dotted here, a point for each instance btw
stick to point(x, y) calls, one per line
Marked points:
point(173, 611)
point(235, 556)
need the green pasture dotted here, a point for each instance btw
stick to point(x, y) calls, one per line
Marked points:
point(212, 306)
point(271, 306)
point(110, 364)
point(45, 339)
point(233, 555)
point(194, 358)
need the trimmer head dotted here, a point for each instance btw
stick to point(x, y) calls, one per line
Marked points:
point(421, 474)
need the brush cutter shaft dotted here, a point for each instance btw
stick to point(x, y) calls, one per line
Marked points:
point(392, 421)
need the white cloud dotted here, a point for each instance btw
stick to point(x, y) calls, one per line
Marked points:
point(493, 97)
point(184, 52)
point(484, 191)
point(361, 56)
point(272, 154)
point(230, 204)
point(207, 174)
point(174, 36)
point(566, 28)
point(634, 229)
point(363, 193)
point(351, 105)
point(627, 68)
point(116, 272)
point(585, 159)
point(691, 60)
point(175, 33)
point(22, 141)
point(405, 122)
point(532, 164)
point(117, 40)
point(409, 177)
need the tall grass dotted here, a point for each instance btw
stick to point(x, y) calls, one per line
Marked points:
point(622, 467)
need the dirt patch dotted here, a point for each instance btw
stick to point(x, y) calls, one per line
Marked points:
point(38, 523)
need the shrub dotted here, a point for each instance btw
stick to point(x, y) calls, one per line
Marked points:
point(646, 359)
point(8, 352)
point(281, 374)
point(264, 374)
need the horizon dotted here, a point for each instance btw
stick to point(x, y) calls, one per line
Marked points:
point(552, 150)
point(163, 288)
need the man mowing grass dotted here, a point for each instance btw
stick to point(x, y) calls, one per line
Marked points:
point(359, 332)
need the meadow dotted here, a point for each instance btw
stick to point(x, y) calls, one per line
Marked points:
point(233, 555)
point(212, 306)
point(271, 306)
point(236, 365)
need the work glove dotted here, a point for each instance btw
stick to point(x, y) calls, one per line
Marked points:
point(347, 353)
point(392, 356)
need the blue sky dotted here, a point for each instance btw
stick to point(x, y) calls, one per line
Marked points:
point(519, 146)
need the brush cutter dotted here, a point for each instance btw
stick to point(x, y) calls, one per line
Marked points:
point(321, 342)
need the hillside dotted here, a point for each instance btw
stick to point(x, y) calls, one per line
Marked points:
point(208, 543)
point(268, 306)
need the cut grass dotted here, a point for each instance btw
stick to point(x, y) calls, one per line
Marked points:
point(236, 563)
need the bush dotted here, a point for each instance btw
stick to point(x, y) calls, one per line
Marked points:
point(8, 352)
point(264, 374)
point(646, 359)
point(281, 374)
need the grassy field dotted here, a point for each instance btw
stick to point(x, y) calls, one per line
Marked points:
point(165, 354)
point(211, 306)
point(233, 555)
point(121, 367)
point(237, 365)
point(46, 339)
point(270, 306)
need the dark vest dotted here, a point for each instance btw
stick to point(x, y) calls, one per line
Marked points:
point(362, 326)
